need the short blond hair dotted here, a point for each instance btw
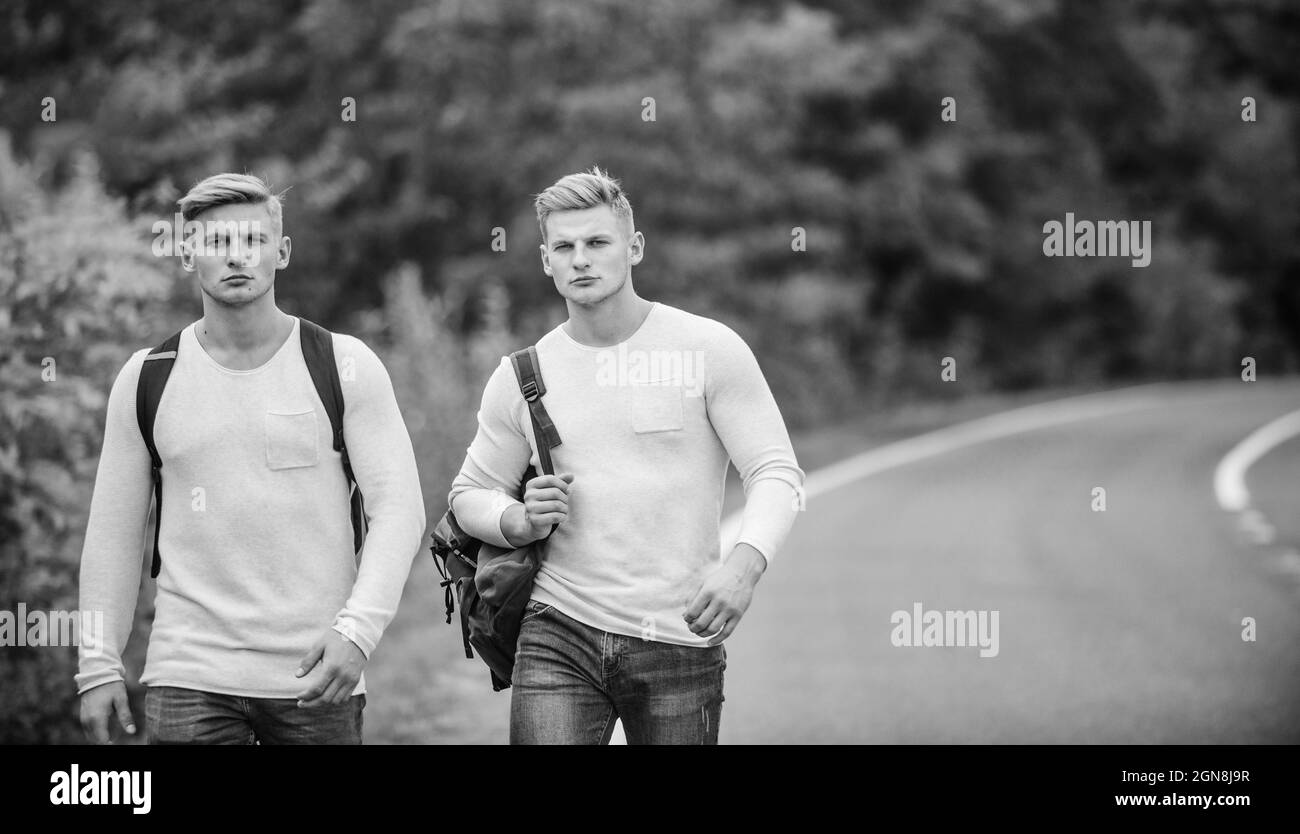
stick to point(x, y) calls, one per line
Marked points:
point(228, 189)
point(583, 191)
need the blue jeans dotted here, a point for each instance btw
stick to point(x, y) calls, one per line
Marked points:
point(189, 716)
point(571, 681)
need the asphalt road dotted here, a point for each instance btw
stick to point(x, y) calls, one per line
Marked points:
point(1115, 626)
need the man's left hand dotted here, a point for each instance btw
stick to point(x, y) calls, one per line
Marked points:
point(338, 663)
point(725, 595)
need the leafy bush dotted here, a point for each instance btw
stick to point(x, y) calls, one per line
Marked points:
point(82, 291)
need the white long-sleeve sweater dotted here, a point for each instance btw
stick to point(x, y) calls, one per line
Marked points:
point(647, 428)
point(256, 537)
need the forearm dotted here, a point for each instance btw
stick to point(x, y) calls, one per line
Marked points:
point(107, 600)
point(109, 588)
point(747, 563)
point(515, 527)
point(392, 541)
point(771, 506)
point(488, 514)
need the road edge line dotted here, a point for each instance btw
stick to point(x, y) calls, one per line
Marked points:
point(1230, 475)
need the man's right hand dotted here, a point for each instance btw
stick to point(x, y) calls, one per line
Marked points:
point(546, 503)
point(98, 706)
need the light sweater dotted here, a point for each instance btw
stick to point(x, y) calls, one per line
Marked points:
point(256, 537)
point(646, 427)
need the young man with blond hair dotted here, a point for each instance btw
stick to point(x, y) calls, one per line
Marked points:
point(632, 602)
point(264, 618)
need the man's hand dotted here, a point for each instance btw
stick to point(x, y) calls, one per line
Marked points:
point(99, 705)
point(725, 595)
point(546, 503)
point(341, 663)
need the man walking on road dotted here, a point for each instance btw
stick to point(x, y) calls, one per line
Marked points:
point(632, 602)
point(264, 617)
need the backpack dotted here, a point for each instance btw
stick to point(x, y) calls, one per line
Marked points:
point(317, 349)
point(494, 583)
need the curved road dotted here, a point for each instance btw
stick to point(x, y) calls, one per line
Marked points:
point(1121, 626)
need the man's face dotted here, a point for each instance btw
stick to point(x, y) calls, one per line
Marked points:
point(589, 253)
point(236, 253)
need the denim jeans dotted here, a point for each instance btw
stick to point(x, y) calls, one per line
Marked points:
point(571, 681)
point(189, 716)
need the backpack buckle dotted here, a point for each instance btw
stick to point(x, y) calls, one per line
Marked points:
point(530, 390)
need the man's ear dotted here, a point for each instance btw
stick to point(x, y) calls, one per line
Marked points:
point(546, 259)
point(636, 248)
point(282, 254)
point(187, 255)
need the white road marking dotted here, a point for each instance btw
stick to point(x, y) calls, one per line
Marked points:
point(1230, 474)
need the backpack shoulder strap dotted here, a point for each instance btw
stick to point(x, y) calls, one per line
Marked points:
point(529, 372)
point(154, 372)
point(318, 351)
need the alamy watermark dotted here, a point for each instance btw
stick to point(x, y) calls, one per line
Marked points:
point(214, 238)
point(75, 786)
point(52, 628)
point(1104, 238)
point(921, 628)
point(622, 367)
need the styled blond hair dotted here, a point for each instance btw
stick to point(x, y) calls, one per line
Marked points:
point(227, 189)
point(583, 191)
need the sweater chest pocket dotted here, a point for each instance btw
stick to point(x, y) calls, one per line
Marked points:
point(657, 407)
point(291, 439)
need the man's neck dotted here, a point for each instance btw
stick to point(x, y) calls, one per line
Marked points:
point(243, 338)
point(610, 322)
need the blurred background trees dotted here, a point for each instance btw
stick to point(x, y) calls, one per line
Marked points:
point(923, 237)
point(79, 286)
